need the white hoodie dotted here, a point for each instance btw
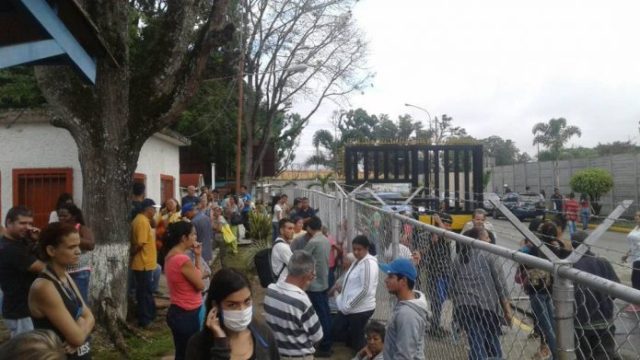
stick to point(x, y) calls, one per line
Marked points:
point(359, 287)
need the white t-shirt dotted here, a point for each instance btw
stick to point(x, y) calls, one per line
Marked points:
point(280, 255)
point(634, 244)
point(403, 252)
point(277, 210)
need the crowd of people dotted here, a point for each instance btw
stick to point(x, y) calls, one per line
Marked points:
point(321, 294)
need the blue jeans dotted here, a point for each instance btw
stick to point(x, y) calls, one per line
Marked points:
point(483, 329)
point(183, 324)
point(146, 306)
point(81, 278)
point(571, 224)
point(18, 326)
point(439, 293)
point(585, 214)
point(542, 308)
point(320, 302)
point(155, 279)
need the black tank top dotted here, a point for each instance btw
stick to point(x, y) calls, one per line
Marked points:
point(73, 302)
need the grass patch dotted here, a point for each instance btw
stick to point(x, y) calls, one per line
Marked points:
point(157, 342)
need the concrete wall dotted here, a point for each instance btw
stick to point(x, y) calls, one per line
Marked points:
point(625, 169)
point(40, 145)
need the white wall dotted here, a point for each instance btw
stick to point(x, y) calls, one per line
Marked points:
point(40, 145)
point(159, 157)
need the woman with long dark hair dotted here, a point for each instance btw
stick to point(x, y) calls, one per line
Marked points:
point(184, 280)
point(70, 214)
point(231, 331)
point(54, 300)
point(480, 298)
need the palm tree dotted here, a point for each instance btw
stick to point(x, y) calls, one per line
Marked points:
point(553, 135)
point(323, 139)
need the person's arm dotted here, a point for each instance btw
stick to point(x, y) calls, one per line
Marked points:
point(312, 326)
point(365, 274)
point(140, 235)
point(87, 240)
point(50, 304)
point(221, 349)
point(192, 273)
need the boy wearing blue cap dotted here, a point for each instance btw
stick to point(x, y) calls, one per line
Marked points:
point(404, 339)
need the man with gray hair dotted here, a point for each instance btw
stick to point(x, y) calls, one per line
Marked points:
point(289, 312)
point(479, 220)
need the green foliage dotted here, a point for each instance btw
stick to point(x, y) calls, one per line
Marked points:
point(554, 135)
point(594, 182)
point(617, 147)
point(260, 226)
point(503, 151)
point(323, 182)
point(19, 89)
point(568, 154)
point(486, 177)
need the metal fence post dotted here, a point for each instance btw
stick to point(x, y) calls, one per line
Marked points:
point(395, 237)
point(351, 221)
point(563, 302)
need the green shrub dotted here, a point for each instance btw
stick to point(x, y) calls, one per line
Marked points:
point(594, 182)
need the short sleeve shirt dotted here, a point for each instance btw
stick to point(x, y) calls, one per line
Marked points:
point(15, 278)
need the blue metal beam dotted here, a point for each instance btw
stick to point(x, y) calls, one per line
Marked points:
point(44, 14)
point(28, 52)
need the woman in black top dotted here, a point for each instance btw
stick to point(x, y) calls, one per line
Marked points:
point(231, 331)
point(54, 300)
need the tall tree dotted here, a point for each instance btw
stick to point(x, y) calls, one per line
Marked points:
point(160, 50)
point(503, 151)
point(279, 34)
point(553, 135)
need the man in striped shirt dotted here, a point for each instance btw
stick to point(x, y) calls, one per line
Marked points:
point(289, 312)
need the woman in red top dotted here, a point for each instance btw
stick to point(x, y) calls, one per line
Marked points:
point(571, 208)
point(184, 280)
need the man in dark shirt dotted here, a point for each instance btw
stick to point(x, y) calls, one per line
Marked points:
point(557, 201)
point(438, 266)
point(594, 313)
point(18, 268)
point(305, 211)
point(191, 196)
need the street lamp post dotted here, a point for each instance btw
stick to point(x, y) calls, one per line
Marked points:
point(423, 109)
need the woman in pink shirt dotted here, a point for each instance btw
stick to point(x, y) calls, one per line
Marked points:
point(184, 279)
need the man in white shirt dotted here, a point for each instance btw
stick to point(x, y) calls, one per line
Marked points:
point(279, 213)
point(281, 250)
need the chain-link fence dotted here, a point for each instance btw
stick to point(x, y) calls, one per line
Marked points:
point(491, 300)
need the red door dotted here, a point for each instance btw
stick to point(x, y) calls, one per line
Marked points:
point(167, 186)
point(39, 189)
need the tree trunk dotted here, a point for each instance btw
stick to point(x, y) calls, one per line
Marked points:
point(247, 177)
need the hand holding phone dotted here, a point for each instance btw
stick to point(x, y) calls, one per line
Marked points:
point(213, 323)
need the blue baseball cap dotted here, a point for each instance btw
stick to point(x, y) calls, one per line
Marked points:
point(187, 207)
point(402, 267)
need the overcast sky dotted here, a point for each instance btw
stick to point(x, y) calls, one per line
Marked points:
point(498, 67)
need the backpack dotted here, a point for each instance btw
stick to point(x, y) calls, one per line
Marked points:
point(262, 261)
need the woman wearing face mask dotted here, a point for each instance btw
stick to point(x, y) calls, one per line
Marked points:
point(230, 330)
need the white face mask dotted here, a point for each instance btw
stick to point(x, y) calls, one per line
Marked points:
point(237, 320)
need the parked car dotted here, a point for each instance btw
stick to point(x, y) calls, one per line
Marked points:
point(523, 206)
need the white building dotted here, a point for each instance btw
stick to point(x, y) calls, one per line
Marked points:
point(38, 162)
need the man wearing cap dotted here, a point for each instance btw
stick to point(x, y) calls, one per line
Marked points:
point(144, 261)
point(188, 211)
point(404, 339)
